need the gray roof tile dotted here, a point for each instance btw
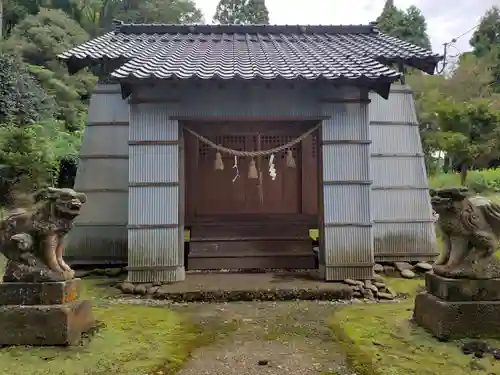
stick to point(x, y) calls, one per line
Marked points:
point(252, 51)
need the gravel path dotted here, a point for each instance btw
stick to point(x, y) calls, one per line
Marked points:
point(289, 338)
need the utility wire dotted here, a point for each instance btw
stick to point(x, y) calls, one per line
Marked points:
point(451, 44)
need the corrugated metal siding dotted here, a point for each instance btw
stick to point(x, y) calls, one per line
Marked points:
point(146, 166)
point(231, 100)
point(100, 232)
point(396, 170)
point(155, 243)
point(347, 240)
point(401, 208)
point(335, 167)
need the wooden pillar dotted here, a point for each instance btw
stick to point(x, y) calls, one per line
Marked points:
point(347, 243)
point(155, 216)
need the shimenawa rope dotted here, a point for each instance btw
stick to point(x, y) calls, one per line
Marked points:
point(253, 154)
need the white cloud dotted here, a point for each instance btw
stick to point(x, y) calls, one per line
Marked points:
point(446, 19)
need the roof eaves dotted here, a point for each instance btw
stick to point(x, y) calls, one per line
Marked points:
point(243, 29)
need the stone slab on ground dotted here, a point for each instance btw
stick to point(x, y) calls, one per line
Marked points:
point(222, 287)
point(457, 319)
point(45, 325)
point(462, 289)
point(54, 293)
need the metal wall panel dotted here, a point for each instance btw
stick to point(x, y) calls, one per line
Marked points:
point(404, 241)
point(401, 210)
point(146, 166)
point(161, 239)
point(100, 232)
point(108, 105)
point(107, 174)
point(152, 122)
point(104, 244)
point(347, 243)
point(399, 108)
point(155, 241)
point(395, 139)
point(408, 204)
point(104, 207)
point(241, 100)
point(336, 169)
point(347, 204)
point(397, 170)
point(153, 205)
point(105, 139)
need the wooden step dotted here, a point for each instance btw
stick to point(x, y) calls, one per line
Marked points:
point(249, 231)
point(251, 254)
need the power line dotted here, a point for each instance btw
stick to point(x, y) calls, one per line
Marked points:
point(451, 44)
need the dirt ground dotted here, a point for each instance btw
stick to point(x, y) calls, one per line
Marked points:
point(263, 338)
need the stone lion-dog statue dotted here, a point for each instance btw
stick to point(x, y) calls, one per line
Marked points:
point(33, 240)
point(470, 226)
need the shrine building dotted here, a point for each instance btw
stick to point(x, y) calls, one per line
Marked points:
point(234, 146)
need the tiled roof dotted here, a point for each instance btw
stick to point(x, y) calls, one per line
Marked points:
point(251, 51)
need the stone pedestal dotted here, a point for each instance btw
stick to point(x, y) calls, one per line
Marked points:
point(43, 313)
point(459, 308)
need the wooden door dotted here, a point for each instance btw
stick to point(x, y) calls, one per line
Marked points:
point(281, 195)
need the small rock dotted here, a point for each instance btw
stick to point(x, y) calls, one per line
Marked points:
point(113, 272)
point(378, 268)
point(374, 289)
point(141, 289)
point(388, 270)
point(387, 296)
point(353, 282)
point(408, 274)
point(379, 284)
point(368, 294)
point(263, 362)
point(401, 266)
point(423, 266)
point(378, 278)
point(157, 283)
point(127, 287)
point(151, 291)
point(99, 272)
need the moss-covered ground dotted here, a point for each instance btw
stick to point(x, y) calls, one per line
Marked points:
point(134, 340)
point(380, 339)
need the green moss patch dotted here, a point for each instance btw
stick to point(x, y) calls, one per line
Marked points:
point(380, 339)
point(135, 340)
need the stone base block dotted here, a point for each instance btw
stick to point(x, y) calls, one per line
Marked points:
point(54, 293)
point(40, 325)
point(454, 320)
point(462, 289)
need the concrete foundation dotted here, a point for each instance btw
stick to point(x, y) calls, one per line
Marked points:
point(43, 314)
point(459, 308)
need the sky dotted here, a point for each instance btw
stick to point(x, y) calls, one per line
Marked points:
point(446, 19)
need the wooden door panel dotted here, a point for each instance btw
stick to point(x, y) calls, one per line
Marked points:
point(214, 193)
point(217, 193)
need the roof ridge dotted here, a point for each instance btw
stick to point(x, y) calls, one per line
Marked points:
point(131, 28)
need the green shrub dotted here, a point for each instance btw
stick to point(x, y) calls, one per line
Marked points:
point(480, 181)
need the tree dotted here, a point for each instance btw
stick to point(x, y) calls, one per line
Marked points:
point(487, 34)
point(165, 11)
point(440, 100)
point(486, 41)
point(409, 25)
point(241, 12)
point(468, 133)
point(38, 39)
point(22, 100)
